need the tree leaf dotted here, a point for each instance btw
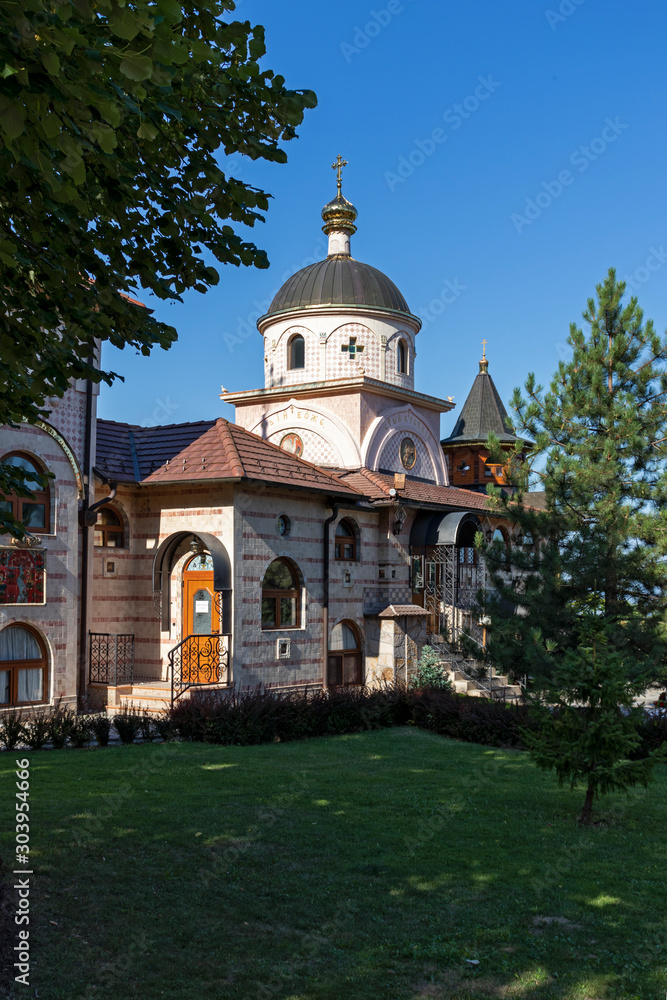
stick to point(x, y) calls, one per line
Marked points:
point(146, 131)
point(51, 63)
point(12, 118)
point(136, 67)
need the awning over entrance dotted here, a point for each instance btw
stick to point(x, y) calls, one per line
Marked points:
point(222, 573)
point(455, 528)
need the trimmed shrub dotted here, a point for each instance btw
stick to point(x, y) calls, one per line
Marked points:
point(127, 726)
point(474, 720)
point(146, 728)
point(80, 732)
point(261, 716)
point(37, 730)
point(11, 728)
point(101, 727)
point(62, 723)
point(164, 727)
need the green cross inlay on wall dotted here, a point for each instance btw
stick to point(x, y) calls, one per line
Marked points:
point(352, 348)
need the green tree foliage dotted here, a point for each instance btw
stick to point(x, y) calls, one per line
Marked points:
point(113, 119)
point(593, 560)
point(430, 671)
point(588, 733)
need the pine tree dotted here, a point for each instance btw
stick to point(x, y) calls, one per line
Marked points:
point(589, 570)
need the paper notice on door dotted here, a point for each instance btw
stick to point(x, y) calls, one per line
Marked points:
point(201, 607)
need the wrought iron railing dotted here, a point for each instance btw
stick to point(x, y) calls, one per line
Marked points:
point(111, 658)
point(198, 660)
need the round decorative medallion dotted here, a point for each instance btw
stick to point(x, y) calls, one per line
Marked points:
point(283, 525)
point(293, 444)
point(408, 453)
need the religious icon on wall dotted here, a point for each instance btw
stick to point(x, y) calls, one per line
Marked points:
point(293, 444)
point(408, 453)
point(22, 576)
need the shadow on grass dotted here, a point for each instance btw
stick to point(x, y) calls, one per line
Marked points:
point(384, 864)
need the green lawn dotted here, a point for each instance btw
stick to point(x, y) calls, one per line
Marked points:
point(347, 868)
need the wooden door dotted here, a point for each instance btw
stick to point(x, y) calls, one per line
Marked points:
point(200, 620)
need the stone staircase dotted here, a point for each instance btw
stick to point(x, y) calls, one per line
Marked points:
point(472, 678)
point(151, 697)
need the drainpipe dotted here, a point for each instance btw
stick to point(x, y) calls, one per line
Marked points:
point(325, 591)
point(83, 602)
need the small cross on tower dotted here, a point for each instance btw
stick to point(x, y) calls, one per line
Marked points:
point(484, 343)
point(338, 167)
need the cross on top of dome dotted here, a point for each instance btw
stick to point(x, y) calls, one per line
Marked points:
point(338, 216)
point(338, 167)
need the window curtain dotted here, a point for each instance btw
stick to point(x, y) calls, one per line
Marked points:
point(342, 637)
point(18, 644)
point(30, 684)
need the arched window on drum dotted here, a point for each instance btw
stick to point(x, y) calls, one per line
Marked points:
point(296, 352)
point(402, 358)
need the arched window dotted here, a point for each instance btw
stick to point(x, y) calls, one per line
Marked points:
point(22, 666)
point(109, 531)
point(402, 358)
point(281, 603)
point(344, 659)
point(296, 352)
point(346, 541)
point(501, 544)
point(32, 511)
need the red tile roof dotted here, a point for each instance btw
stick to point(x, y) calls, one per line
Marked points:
point(396, 610)
point(210, 450)
point(376, 486)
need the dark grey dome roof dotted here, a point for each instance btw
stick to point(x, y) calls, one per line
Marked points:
point(338, 281)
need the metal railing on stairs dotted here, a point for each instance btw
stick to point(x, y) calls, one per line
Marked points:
point(110, 658)
point(197, 661)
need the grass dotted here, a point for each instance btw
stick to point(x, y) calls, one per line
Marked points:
point(379, 865)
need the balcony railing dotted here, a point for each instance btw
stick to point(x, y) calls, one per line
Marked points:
point(111, 658)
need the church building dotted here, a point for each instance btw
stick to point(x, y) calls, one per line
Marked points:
point(319, 540)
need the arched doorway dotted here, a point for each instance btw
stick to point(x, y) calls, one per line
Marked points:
point(344, 666)
point(201, 623)
point(200, 612)
point(23, 666)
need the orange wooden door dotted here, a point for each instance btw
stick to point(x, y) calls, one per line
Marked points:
point(200, 619)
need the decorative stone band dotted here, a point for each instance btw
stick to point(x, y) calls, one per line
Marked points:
point(57, 436)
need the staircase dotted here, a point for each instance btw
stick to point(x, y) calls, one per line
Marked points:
point(151, 697)
point(469, 676)
point(495, 686)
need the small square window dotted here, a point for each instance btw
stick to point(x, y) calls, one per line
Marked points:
point(283, 651)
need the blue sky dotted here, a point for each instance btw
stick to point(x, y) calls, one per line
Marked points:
point(496, 218)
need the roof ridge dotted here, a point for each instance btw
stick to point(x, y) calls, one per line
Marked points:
point(228, 443)
point(276, 447)
point(118, 423)
point(374, 477)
